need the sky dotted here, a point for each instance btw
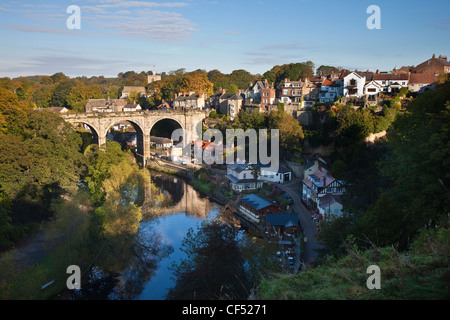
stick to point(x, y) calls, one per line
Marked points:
point(255, 35)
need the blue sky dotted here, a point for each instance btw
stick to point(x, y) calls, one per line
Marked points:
point(121, 35)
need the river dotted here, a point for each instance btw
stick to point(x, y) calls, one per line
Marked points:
point(142, 271)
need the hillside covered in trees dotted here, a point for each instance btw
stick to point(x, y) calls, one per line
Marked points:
point(397, 211)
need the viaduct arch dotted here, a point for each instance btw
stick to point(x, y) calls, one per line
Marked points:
point(143, 122)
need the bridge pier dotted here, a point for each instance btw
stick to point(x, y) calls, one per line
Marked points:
point(101, 141)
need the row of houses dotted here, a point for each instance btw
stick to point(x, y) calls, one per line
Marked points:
point(295, 94)
point(111, 105)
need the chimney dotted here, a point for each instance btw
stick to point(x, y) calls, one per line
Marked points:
point(434, 56)
point(378, 71)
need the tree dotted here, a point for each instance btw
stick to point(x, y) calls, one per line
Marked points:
point(241, 78)
point(215, 268)
point(256, 171)
point(42, 96)
point(61, 92)
point(327, 69)
point(292, 71)
point(80, 94)
point(13, 114)
point(290, 130)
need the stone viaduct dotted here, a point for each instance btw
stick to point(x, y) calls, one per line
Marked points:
point(143, 121)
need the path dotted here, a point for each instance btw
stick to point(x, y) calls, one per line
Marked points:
point(293, 188)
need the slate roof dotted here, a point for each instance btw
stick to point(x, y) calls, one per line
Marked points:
point(280, 168)
point(256, 202)
point(231, 96)
point(329, 199)
point(238, 167)
point(282, 219)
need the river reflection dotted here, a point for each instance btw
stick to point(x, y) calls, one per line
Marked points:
point(138, 267)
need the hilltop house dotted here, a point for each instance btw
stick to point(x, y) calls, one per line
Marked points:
point(230, 104)
point(254, 207)
point(253, 93)
point(189, 100)
point(420, 82)
point(433, 66)
point(391, 82)
point(353, 85)
point(289, 92)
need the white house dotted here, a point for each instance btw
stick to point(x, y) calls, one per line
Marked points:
point(241, 177)
point(391, 82)
point(132, 107)
point(372, 88)
point(278, 175)
point(330, 205)
point(354, 85)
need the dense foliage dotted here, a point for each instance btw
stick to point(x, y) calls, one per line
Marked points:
point(420, 273)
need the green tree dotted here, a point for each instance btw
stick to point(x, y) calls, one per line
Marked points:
point(215, 268)
point(61, 92)
point(80, 94)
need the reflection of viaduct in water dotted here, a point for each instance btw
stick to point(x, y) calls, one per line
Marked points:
point(190, 202)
